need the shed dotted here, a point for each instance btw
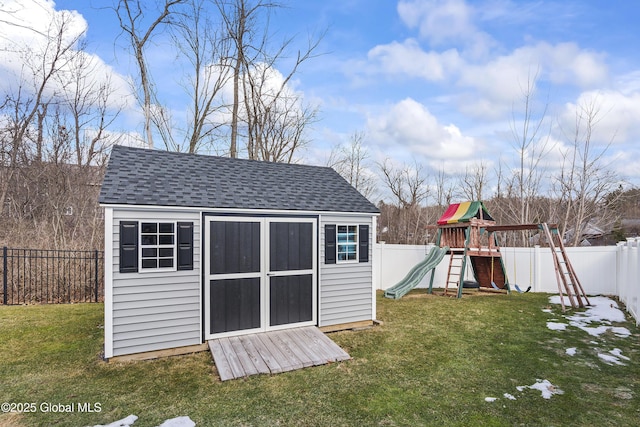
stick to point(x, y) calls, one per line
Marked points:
point(202, 247)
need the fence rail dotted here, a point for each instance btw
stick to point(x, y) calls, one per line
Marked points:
point(41, 276)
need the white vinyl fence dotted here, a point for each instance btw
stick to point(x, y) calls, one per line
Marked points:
point(602, 270)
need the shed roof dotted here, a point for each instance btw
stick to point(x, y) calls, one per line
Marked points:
point(138, 176)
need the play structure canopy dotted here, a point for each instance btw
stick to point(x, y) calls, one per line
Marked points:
point(463, 212)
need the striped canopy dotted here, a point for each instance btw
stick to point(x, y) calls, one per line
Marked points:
point(463, 212)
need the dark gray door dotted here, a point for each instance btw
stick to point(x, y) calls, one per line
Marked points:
point(234, 276)
point(291, 272)
point(260, 274)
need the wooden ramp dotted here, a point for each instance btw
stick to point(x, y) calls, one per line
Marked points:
point(273, 352)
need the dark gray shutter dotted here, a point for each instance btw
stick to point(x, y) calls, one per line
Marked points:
point(363, 243)
point(330, 244)
point(128, 246)
point(185, 246)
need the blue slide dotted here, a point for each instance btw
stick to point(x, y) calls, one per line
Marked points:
point(417, 273)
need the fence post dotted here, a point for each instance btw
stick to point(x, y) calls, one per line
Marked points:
point(4, 275)
point(96, 274)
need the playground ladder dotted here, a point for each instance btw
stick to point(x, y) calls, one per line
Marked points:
point(456, 267)
point(565, 274)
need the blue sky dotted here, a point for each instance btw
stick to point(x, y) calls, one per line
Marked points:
point(440, 82)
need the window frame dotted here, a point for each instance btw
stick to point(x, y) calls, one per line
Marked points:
point(348, 243)
point(158, 246)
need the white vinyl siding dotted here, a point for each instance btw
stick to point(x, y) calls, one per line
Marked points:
point(345, 288)
point(155, 310)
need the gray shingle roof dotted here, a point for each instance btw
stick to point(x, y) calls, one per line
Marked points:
point(137, 176)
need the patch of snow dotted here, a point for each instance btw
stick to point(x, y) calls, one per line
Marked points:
point(554, 326)
point(125, 422)
point(178, 422)
point(618, 353)
point(610, 359)
point(509, 396)
point(602, 310)
point(490, 399)
point(571, 351)
point(543, 386)
point(621, 332)
point(547, 310)
point(173, 422)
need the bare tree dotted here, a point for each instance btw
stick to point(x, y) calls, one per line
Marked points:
point(272, 115)
point(203, 42)
point(406, 218)
point(530, 140)
point(33, 93)
point(132, 16)
point(585, 183)
point(472, 185)
point(351, 162)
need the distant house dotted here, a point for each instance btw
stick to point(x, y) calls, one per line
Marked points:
point(200, 247)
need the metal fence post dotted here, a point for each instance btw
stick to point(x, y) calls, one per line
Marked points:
point(96, 274)
point(4, 275)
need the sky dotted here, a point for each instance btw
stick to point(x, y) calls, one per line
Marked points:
point(439, 83)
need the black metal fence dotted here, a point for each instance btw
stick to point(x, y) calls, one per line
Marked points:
point(41, 276)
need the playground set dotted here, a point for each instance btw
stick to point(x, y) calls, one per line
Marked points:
point(467, 233)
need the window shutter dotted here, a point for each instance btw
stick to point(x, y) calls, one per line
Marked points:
point(185, 246)
point(363, 243)
point(128, 246)
point(330, 244)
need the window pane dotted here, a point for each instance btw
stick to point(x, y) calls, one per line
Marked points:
point(342, 257)
point(149, 252)
point(352, 238)
point(351, 256)
point(149, 240)
point(166, 227)
point(149, 263)
point(166, 252)
point(342, 229)
point(166, 239)
point(149, 227)
point(342, 238)
point(166, 262)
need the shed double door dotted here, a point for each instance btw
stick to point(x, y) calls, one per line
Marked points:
point(260, 274)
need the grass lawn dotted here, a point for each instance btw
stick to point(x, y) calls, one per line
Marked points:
point(432, 362)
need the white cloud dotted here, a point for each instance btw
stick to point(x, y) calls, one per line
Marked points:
point(28, 33)
point(409, 59)
point(411, 126)
point(614, 116)
point(444, 22)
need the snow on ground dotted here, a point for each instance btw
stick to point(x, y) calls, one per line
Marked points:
point(614, 357)
point(544, 386)
point(602, 310)
point(571, 351)
point(555, 326)
point(173, 422)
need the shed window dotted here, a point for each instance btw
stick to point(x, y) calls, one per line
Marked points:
point(347, 243)
point(158, 245)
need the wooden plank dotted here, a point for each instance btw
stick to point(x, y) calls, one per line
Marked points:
point(304, 343)
point(234, 363)
point(254, 354)
point(276, 353)
point(296, 345)
point(242, 356)
point(265, 354)
point(326, 345)
point(289, 356)
point(220, 359)
point(178, 351)
point(344, 326)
